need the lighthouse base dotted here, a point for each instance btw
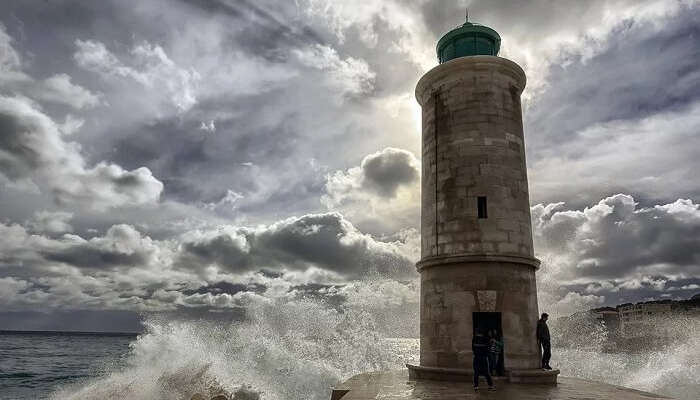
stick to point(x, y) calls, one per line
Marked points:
point(398, 385)
point(537, 376)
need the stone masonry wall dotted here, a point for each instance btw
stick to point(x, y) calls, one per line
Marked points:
point(472, 113)
point(473, 146)
point(449, 295)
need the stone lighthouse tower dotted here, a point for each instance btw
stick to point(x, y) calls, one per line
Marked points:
point(477, 265)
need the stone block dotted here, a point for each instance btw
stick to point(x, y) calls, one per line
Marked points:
point(460, 300)
point(487, 300)
point(495, 236)
point(507, 248)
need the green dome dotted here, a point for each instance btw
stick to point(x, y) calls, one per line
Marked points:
point(469, 39)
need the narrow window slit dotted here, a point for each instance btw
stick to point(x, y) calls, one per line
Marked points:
point(481, 207)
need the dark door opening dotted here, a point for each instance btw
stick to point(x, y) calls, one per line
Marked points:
point(490, 323)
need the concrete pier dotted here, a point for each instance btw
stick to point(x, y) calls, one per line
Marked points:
point(395, 385)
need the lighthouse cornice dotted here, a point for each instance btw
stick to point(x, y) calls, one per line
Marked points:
point(429, 262)
point(468, 68)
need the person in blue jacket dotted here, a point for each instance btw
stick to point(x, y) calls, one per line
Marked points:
point(495, 349)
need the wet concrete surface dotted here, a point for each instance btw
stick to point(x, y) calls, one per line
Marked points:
point(395, 385)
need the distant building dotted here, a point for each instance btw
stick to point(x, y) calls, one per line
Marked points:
point(609, 316)
point(646, 319)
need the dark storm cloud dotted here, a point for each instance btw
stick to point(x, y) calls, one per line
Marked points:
point(387, 170)
point(382, 173)
point(381, 195)
point(122, 245)
point(261, 163)
point(226, 287)
point(256, 123)
point(616, 245)
point(326, 241)
point(20, 158)
point(88, 257)
point(592, 91)
point(31, 146)
point(654, 236)
point(244, 154)
point(247, 111)
point(606, 117)
point(588, 255)
point(34, 151)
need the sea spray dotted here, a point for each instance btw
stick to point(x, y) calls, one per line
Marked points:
point(291, 349)
point(286, 349)
point(668, 365)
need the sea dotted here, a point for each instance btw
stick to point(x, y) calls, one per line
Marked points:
point(286, 352)
point(34, 364)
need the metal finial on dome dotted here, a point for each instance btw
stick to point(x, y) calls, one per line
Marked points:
point(467, 17)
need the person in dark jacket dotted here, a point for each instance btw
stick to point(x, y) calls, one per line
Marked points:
point(543, 340)
point(480, 348)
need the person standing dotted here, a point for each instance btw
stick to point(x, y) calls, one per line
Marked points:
point(480, 349)
point(544, 341)
point(495, 348)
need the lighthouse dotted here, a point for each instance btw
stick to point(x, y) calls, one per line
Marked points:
point(477, 264)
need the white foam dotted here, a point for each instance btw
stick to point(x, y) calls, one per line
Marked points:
point(299, 349)
point(287, 350)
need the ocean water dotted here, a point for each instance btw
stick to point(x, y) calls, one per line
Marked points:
point(33, 364)
point(287, 350)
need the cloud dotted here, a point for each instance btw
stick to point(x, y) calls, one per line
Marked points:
point(384, 187)
point(571, 303)
point(109, 185)
point(120, 270)
point(227, 204)
point(50, 222)
point(10, 288)
point(122, 245)
point(350, 76)
point(33, 152)
point(299, 93)
point(616, 246)
point(58, 88)
point(693, 286)
point(9, 58)
point(614, 101)
point(326, 241)
point(151, 67)
point(208, 126)
point(71, 125)
point(590, 257)
point(32, 149)
point(382, 172)
point(125, 269)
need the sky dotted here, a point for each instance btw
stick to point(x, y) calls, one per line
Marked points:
point(198, 157)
